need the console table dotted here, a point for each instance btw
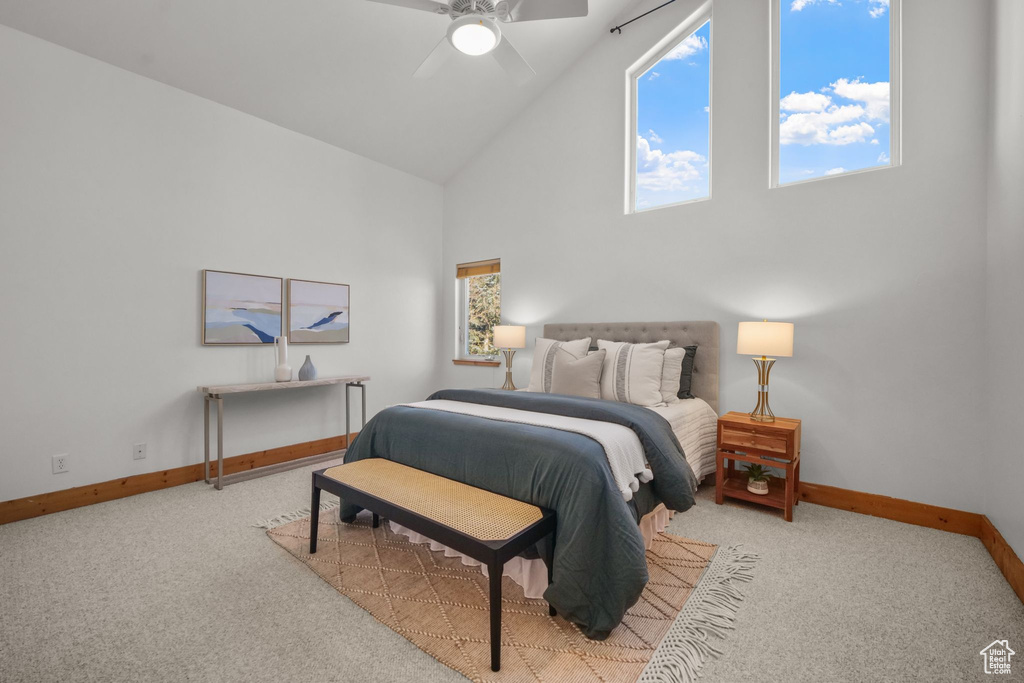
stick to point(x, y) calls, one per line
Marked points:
point(215, 394)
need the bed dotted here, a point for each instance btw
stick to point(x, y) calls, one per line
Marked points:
point(694, 421)
point(508, 442)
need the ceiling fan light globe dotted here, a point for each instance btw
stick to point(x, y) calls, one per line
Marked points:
point(473, 35)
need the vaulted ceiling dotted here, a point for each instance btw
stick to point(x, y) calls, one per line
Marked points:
point(336, 70)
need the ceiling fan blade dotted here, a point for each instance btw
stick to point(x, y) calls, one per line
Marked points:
point(511, 61)
point(437, 57)
point(425, 5)
point(534, 10)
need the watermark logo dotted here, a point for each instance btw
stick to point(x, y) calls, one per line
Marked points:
point(997, 657)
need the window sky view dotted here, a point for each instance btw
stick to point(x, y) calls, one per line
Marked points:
point(833, 108)
point(673, 119)
point(833, 87)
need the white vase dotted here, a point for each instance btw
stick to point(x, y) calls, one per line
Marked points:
point(758, 487)
point(283, 371)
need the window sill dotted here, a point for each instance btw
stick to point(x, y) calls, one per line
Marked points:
point(479, 363)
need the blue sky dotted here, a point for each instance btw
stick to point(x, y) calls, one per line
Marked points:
point(834, 87)
point(672, 124)
point(834, 101)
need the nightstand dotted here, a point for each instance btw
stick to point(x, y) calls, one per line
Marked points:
point(770, 444)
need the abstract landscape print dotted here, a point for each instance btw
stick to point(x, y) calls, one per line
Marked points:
point(240, 308)
point(317, 312)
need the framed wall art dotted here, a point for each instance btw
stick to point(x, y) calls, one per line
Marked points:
point(241, 309)
point(317, 312)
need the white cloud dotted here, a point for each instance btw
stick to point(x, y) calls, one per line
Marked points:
point(874, 141)
point(823, 127)
point(658, 171)
point(874, 96)
point(798, 5)
point(654, 137)
point(845, 135)
point(804, 101)
point(835, 171)
point(654, 74)
point(707, 109)
point(690, 46)
point(883, 158)
point(878, 8)
point(813, 118)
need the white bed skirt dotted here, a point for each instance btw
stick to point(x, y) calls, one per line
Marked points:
point(532, 575)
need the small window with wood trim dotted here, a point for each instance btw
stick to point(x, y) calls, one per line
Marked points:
point(478, 286)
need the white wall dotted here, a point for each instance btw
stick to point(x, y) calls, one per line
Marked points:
point(882, 272)
point(115, 191)
point(1004, 503)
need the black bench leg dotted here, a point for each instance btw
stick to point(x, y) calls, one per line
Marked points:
point(376, 520)
point(494, 571)
point(314, 520)
point(551, 571)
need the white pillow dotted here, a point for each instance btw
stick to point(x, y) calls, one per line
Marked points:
point(544, 359)
point(632, 372)
point(670, 374)
point(577, 376)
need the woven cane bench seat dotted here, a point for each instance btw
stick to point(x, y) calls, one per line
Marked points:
point(475, 512)
point(486, 526)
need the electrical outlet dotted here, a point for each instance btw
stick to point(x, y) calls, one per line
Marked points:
point(61, 463)
point(140, 451)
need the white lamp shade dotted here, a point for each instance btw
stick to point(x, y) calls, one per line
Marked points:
point(509, 337)
point(765, 339)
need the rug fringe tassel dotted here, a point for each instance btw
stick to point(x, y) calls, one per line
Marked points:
point(710, 611)
point(287, 517)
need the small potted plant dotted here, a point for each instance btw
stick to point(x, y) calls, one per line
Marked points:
point(757, 479)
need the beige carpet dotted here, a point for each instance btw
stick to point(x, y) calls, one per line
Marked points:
point(441, 606)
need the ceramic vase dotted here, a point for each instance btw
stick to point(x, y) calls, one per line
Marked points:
point(308, 371)
point(283, 371)
point(758, 487)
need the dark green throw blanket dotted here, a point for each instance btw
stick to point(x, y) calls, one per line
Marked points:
point(600, 564)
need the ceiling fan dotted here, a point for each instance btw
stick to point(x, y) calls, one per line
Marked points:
point(474, 29)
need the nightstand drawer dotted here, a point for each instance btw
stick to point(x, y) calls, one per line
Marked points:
point(736, 438)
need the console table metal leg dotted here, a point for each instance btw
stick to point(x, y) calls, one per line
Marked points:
point(206, 438)
point(348, 424)
point(220, 441)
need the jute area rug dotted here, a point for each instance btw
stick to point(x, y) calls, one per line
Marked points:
point(441, 606)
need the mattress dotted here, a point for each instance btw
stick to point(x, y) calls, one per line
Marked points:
point(695, 424)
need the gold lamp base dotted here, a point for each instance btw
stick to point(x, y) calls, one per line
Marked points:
point(509, 384)
point(763, 412)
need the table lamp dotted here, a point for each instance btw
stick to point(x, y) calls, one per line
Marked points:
point(508, 338)
point(764, 339)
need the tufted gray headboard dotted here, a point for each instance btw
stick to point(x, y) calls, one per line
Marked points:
point(703, 333)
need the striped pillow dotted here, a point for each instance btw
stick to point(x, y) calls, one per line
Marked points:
point(544, 359)
point(632, 372)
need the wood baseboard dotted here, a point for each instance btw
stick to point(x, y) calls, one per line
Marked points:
point(921, 514)
point(1007, 561)
point(68, 499)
